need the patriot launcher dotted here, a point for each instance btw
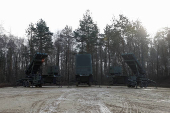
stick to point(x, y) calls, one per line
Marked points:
point(139, 77)
point(34, 75)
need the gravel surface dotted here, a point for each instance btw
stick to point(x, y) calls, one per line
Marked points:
point(83, 99)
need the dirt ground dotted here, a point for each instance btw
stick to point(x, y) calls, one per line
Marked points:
point(83, 99)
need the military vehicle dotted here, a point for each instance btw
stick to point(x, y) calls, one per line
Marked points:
point(139, 75)
point(52, 75)
point(34, 75)
point(83, 69)
point(116, 73)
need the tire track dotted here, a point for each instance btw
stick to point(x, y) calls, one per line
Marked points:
point(52, 104)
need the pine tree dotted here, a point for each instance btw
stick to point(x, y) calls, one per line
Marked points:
point(41, 37)
point(87, 33)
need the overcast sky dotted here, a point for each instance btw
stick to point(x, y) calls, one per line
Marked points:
point(16, 15)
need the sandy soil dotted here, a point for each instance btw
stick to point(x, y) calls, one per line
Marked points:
point(116, 99)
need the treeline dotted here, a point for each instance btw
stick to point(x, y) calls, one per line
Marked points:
point(121, 36)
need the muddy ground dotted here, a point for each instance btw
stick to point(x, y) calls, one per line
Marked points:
point(83, 99)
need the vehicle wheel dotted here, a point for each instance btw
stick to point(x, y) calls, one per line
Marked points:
point(146, 84)
point(141, 85)
point(28, 84)
point(133, 86)
point(40, 85)
point(77, 84)
point(89, 84)
point(24, 83)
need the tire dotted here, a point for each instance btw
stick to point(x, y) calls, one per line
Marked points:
point(133, 86)
point(28, 84)
point(89, 84)
point(40, 85)
point(146, 84)
point(141, 85)
point(77, 84)
point(24, 83)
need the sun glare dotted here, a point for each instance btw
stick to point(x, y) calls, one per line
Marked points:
point(154, 14)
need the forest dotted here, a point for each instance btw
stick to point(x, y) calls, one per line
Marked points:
point(121, 36)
